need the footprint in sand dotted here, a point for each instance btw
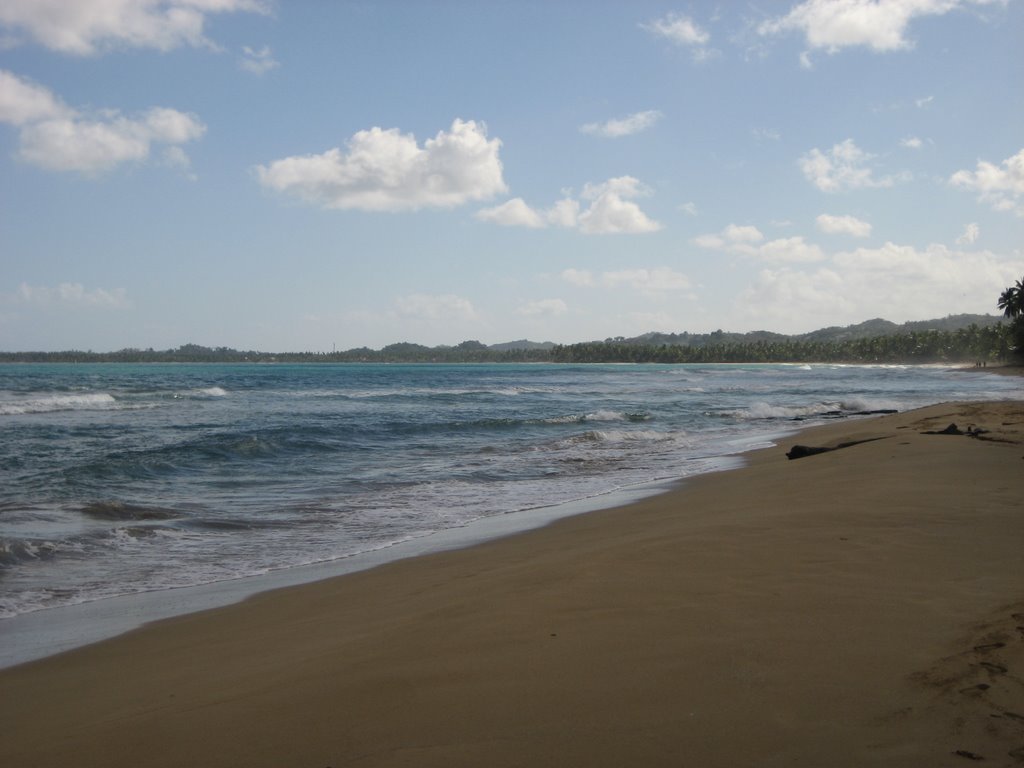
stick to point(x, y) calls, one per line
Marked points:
point(995, 669)
point(975, 688)
point(968, 755)
point(989, 647)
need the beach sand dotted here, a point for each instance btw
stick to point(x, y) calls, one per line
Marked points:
point(859, 607)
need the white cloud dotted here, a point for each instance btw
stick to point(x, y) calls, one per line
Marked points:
point(257, 62)
point(843, 225)
point(790, 250)
point(912, 142)
point(73, 294)
point(435, 307)
point(789, 300)
point(747, 241)
point(690, 209)
point(971, 234)
point(85, 27)
point(625, 126)
point(878, 282)
point(543, 308)
point(385, 170)
point(92, 146)
point(735, 239)
point(880, 25)
point(23, 102)
point(610, 210)
point(682, 30)
point(514, 213)
point(564, 213)
point(582, 277)
point(744, 234)
point(845, 166)
point(905, 270)
point(1002, 186)
point(56, 137)
point(679, 29)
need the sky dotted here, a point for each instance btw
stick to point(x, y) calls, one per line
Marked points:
point(300, 175)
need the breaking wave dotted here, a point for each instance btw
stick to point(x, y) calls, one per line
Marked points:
point(54, 403)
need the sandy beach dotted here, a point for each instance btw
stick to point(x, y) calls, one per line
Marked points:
point(861, 606)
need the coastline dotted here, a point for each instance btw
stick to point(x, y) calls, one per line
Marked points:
point(38, 634)
point(842, 609)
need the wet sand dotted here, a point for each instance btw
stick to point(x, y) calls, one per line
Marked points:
point(862, 606)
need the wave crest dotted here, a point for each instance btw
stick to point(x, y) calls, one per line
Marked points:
point(54, 403)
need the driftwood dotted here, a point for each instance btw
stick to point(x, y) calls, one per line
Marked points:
point(953, 429)
point(800, 451)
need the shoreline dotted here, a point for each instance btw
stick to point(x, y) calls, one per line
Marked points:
point(829, 609)
point(39, 634)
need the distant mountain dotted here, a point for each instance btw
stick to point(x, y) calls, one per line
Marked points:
point(869, 329)
point(871, 341)
point(521, 344)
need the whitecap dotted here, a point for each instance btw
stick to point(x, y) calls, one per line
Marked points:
point(53, 403)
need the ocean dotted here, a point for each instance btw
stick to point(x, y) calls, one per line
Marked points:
point(118, 479)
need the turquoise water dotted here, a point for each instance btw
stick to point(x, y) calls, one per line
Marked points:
point(117, 479)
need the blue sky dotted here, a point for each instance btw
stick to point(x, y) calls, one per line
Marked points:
point(309, 175)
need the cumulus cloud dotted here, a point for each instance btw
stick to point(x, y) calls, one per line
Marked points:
point(257, 62)
point(386, 170)
point(516, 213)
point(73, 294)
point(564, 213)
point(875, 282)
point(749, 241)
point(735, 239)
point(626, 126)
point(87, 27)
point(56, 137)
point(24, 102)
point(879, 25)
point(912, 142)
point(93, 146)
point(610, 210)
point(435, 307)
point(971, 234)
point(543, 308)
point(845, 166)
point(1001, 186)
point(647, 281)
point(843, 225)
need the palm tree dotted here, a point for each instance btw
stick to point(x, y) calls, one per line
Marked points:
point(1011, 301)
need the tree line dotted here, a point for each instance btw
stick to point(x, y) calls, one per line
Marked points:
point(974, 344)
